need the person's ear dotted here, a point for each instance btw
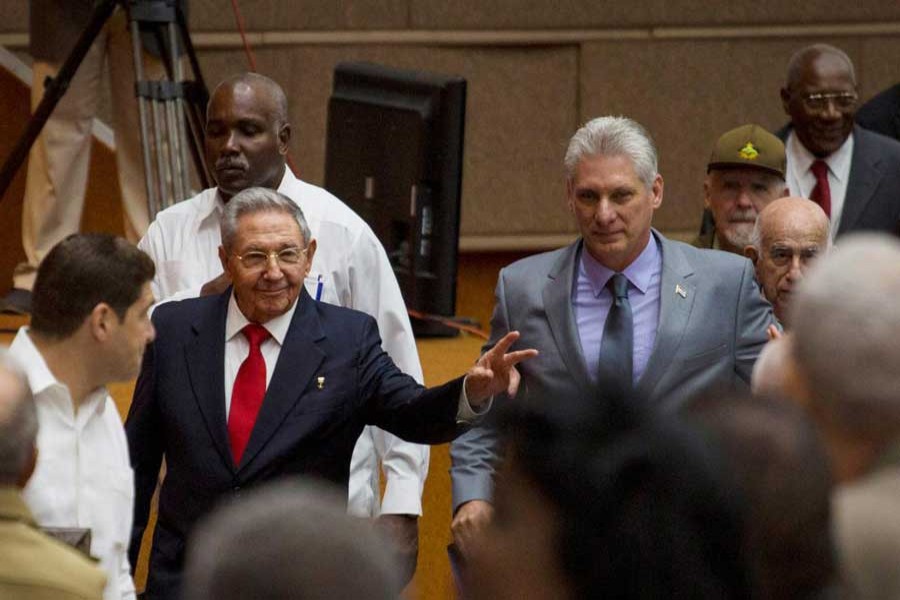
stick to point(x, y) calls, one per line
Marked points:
point(310, 252)
point(99, 321)
point(284, 137)
point(751, 253)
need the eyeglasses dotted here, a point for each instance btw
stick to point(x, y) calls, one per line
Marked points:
point(257, 259)
point(819, 102)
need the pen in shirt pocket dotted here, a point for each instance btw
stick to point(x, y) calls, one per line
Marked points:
point(318, 288)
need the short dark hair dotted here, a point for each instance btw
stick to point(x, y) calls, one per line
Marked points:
point(79, 273)
point(779, 464)
point(641, 506)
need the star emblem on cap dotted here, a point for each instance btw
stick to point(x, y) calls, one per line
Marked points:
point(748, 152)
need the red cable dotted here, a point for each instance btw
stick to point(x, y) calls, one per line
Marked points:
point(251, 60)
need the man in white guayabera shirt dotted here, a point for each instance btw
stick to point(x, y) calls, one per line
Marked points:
point(247, 135)
point(89, 326)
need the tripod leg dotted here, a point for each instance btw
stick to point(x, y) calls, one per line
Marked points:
point(180, 141)
point(137, 51)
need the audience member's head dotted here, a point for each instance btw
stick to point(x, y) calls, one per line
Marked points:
point(788, 235)
point(592, 503)
point(94, 289)
point(846, 324)
point(247, 133)
point(18, 425)
point(820, 96)
point(778, 462)
point(613, 188)
point(288, 541)
point(744, 174)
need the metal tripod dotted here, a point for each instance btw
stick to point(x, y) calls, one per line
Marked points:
point(171, 110)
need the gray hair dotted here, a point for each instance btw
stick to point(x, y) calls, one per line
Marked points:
point(804, 55)
point(614, 136)
point(18, 420)
point(259, 199)
point(847, 334)
point(292, 539)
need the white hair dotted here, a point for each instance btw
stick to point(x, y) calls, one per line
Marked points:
point(614, 136)
point(846, 321)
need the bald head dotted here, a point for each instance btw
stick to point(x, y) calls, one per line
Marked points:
point(18, 424)
point(262, 87)
point(788, 235)
point(247, 134)
point(805, 59)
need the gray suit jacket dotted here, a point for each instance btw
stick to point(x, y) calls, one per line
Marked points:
point(872, 202)
point(709, 335)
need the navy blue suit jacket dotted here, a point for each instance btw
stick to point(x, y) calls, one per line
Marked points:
point(303, 428)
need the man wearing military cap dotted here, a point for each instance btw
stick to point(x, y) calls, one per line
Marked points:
point(744, 174)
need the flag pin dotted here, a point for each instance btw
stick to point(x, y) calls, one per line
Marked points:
point(680, 290)
point(320, 382)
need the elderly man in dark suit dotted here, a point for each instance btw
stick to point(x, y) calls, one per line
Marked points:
point(289, 396)
point(622, 305)
point(852, 173)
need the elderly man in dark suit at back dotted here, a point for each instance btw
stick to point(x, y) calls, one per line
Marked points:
point(621, 306)
point(852, 173)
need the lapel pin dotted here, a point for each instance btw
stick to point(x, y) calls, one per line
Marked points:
point(680, 290)
point(320, 382)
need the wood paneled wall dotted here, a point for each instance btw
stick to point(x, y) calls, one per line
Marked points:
point(688, 70)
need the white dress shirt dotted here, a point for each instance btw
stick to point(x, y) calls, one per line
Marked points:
point(83, 476)
point(352, 270)
point(801, 181)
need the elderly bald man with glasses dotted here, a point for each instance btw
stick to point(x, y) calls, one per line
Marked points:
point(852, 173)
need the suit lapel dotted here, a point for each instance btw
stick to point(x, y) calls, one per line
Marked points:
point(557, 297)
point(298, 362)
point(205, 358)
point(676, 299)
point(862, 182)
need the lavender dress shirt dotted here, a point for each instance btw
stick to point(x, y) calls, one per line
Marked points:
point(592, 301)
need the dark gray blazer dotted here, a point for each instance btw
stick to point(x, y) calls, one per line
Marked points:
point(873, 189)
point(710, 333)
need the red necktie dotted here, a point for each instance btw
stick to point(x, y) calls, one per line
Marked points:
point(821, 194)
point(248, 392)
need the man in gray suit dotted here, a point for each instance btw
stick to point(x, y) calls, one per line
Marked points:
point(853, 173)
point(622, 304)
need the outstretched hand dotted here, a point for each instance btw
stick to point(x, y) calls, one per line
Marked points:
point(495, 371)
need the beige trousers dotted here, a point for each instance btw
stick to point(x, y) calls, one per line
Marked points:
point(58, 163)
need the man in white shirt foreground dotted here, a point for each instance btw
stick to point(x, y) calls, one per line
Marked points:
point(262, 382)
point(247, 135)
point(89, 326)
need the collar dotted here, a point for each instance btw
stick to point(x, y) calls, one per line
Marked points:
point(278, 327)
point(41, 378)
point(639, 273)
point(838, 161)
point(12, 507)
